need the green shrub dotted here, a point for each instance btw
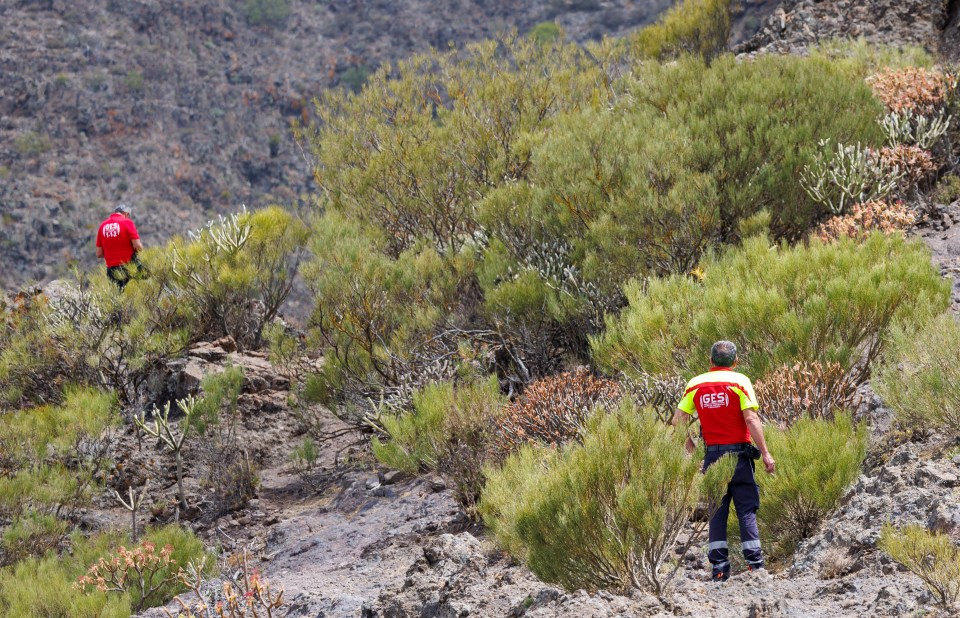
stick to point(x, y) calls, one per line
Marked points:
point(829, 303)
point(36, 361)
point(51, 455)
point(546, 185)
point(372, 311)
point(699, 27)
point(221, 392)
point(229, 473)
point(305, 455)
point(450, 431)
point(921, 382)
point(607, 513)
point(948, 190)
point(545, 32)
point(22, 597)
point(231, 264)
point(134, 82)
point(931, 556)
point(817, 460)
point(34, 534)
point(230, 279)
point(266, 12)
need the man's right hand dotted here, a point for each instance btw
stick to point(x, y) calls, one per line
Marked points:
point(769, 463)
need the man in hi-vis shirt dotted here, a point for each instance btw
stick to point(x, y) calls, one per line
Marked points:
point(724, 402)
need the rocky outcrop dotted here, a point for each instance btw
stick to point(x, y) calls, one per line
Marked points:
point(909, 488)
point(800, 24)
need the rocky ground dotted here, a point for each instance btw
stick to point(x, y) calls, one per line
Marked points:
point(798, 24)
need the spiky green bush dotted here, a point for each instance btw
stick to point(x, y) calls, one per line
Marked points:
point(373, 312)
point(823, 302)
point(921, 380)
point(51, 454)
point(226, 266)
point(699, 27)
point(605, 513)
point(450, 431)
point(817, 460)
point(931, 556)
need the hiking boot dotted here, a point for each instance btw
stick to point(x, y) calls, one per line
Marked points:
point(720, 576)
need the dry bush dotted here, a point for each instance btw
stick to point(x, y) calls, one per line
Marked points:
point(914, 162)
point(250, 596)
point(866, 218)
point(555, 409)
point(805, 390)
point(835, 563)
point(913, 89)
point(660, 393)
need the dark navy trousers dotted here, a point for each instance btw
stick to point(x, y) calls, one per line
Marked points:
point(745, 494)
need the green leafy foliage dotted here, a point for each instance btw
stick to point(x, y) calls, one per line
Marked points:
point(699, 27)
point(823, 302)
point(931, 556)
point(921, 382)
point(22, 597)
point(605, 513)
point(450, 431)
point(817, 460)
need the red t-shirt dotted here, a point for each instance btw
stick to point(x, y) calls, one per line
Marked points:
point(116, 236)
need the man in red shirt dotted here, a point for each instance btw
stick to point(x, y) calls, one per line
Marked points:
point(726, 406)
point(118, 244)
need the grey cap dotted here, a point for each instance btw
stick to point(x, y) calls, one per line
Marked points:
point(122, 208)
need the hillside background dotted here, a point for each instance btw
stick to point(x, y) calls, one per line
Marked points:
point(182, 108)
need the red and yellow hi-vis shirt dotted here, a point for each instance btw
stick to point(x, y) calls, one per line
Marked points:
point(719, 398)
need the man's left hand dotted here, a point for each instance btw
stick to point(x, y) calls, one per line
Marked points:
point(769, 463)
